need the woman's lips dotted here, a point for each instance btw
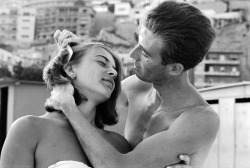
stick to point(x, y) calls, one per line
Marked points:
point(110, 83)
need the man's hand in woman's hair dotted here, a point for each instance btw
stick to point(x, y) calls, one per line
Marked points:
point(65, 37)
point(61, 95)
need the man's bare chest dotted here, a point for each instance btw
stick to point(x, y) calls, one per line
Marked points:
point(148, 119)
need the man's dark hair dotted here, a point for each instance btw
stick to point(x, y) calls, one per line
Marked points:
point(185, 32)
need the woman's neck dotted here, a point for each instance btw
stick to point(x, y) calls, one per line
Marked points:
point(88, 109)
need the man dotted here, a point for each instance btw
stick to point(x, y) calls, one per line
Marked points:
point(166, 114)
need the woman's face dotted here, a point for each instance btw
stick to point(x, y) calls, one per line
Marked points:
point(95, 74)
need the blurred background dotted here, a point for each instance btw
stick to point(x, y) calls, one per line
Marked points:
point(223, 78)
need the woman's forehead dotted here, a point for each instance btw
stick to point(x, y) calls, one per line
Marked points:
point(96, 51)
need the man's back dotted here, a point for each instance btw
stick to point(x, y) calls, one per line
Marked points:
point(147, 116)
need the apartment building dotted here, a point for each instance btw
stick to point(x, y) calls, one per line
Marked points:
point(8, 21)
point(26, 25)
point(54, 3)
point(37, 20)
point(219, 67)
point(75, 16)
point(221, 20)
point(85, 17)
point(122, 10)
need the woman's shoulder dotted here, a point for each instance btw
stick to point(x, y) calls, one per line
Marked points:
point(34, 126)
point(27, 124)
point(118, 141)
point(25, 130)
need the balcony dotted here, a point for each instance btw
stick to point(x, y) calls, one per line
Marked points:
point(222, 62)
point(218, 73)
point(205, 84)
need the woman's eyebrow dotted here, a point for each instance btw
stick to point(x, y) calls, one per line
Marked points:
point(106, 59)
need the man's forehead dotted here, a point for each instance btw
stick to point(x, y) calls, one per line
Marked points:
point(141, 34)
point(142, 29)
point(149, 41)
point(146, 35)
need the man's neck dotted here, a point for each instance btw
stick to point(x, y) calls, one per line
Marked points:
point(174, 92)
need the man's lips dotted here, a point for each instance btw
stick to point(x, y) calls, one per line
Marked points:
point(136, 66)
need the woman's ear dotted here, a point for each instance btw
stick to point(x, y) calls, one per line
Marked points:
point(69, 70)
point(176, 69)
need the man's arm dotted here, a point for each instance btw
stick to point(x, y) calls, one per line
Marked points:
point(187, 134)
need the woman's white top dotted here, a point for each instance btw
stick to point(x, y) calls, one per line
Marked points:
point(69, 164)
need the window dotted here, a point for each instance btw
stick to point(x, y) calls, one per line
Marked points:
point(211, 69)
point(234, 69)
point(25, 28)
point(26, 14)
point(26, 20)
point(222, 69)
point(25, 36)
point(222, 57)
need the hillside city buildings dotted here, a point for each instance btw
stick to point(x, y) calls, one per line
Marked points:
point(31, 25)
point(219, 67)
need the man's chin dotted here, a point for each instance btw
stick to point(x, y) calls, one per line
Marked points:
point(143, 77)
point(140, 76)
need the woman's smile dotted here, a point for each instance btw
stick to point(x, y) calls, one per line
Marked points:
point(109, 83)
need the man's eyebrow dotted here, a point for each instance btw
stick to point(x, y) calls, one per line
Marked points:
point(106, 59)
point(144, 50)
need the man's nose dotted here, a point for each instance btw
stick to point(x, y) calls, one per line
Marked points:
point(135, 53)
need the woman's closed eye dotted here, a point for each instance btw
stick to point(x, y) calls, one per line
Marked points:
point(102, 63)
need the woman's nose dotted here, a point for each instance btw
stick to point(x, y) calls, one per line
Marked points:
point(112, 73)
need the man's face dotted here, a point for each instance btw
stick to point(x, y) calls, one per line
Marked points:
point(147, 59)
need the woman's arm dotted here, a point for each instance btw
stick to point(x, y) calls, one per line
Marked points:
point(20, 144)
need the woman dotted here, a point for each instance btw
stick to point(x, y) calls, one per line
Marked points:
point(49, 140)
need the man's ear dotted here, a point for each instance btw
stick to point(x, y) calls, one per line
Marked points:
point(176, 69)
point(69, 70)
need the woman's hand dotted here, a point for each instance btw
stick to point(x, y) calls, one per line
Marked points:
point(61, 96)
point(65, 38)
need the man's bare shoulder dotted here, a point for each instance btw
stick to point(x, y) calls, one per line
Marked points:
point(204, 112)
point(200, 121)
point(134, 84)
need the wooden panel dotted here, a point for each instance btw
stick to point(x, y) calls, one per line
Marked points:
point(242, 138)
point(226, 133)
point(212, 160)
